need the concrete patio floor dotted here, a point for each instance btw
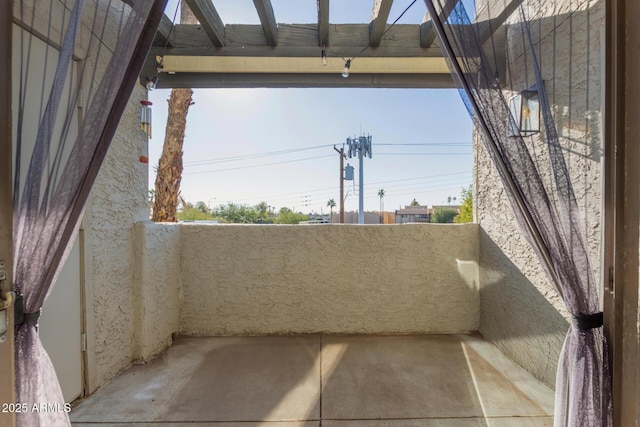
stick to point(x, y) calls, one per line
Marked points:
point(323, 380)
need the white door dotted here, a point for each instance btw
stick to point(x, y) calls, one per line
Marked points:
point(60, 327)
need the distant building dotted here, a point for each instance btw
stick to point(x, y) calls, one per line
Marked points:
point(413, 214)
point(352, 218)
point(420, 214)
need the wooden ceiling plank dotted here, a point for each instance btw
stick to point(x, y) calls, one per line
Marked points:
point(427, 31)
point(268, 20)
point(295, 40)
point(166, 34)
point(379, 16)
point(209, 20)
point(323, 22)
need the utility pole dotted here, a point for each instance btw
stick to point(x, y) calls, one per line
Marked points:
point(362, 147)
point(341, 153)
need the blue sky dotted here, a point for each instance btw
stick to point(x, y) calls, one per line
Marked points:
point(421, 137)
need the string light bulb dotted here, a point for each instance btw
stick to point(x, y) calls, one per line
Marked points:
point(347, 65)
point(324, 56)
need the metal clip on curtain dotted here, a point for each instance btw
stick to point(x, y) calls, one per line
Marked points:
point(21, 317)
point(588, 321)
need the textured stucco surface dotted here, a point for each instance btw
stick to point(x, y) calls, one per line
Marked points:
point(335, 279)
point(117, 201)
point(520, 312)
point(157, 286)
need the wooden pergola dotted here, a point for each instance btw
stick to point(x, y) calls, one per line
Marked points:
point(213, 54)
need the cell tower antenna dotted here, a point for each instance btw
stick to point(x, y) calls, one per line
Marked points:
point(360, 146)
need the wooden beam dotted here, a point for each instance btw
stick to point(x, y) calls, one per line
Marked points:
point(7, 367)
point(307, 80)
point(268, 21)
point(427, 31)
point(166, 34)
point(298, 40)
point(279, 65)
point(209, 20)
point(323, 22)
point(379, 16)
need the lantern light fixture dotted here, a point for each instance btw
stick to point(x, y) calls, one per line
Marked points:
point(524, 107)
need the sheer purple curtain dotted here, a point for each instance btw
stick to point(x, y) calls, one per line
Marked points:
point(49, 198)
point(548, 217)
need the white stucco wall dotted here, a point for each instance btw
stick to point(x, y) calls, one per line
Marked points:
point(521, 313)
point(333, 279)
point(157, 282)
point(118, 199)
point(261, 279)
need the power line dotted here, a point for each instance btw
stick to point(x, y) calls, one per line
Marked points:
point(432, 144)
point(252, 156)
point(315, 147)
point(327, 191)
point(257, 166)
point(423, 154)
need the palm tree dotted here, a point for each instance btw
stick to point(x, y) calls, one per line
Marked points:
point(169, 173)
point(332, 204)
point(381, 195)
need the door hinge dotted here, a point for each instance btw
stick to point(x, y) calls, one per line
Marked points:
point(83, 342)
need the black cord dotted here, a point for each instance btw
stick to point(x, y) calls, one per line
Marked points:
point(382, 35)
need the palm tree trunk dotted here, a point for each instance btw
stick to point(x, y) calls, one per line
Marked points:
point(169, 173)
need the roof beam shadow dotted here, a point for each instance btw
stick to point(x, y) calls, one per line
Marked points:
point(489, 28)
point(209, 20)
point(379, 16)
point(268, 21)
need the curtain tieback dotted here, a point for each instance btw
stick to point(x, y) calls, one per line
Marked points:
point(21, 317)
point(588, 321)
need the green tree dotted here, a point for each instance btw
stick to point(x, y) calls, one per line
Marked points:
point(262, 211)
point(287, 216)
point(191, 212)
point(414, 202)
point(466, 209)
point(443, 215)
point(202, 206)
point(332, 204)
point(237, 213)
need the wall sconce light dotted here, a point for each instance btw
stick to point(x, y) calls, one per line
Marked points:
point(525, 113)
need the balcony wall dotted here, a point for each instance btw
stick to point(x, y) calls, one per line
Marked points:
point(241, 280)
point(257, 280)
